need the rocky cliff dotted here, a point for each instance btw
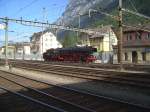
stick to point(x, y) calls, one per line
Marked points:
point(81, 7)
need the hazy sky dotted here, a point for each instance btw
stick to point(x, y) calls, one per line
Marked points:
point(30, 10)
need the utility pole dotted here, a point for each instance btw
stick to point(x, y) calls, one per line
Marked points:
point(23, 53)
point(6, 41)
point(15, 52)
point(43, 32)
point(120, 53)
point(79, 20)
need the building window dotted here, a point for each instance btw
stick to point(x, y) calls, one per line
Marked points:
point(144, 56)
point(126, 56)
point(129, 37)
point(46, 39)
point(138, 36)
point(9, 53)
point(148, 36)
point(51, 35)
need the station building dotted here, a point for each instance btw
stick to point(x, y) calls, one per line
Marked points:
point(136, 46)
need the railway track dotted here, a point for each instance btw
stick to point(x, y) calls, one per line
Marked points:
point(13, 102)
point(62, 99)
point(132, 67)
point(141, 80)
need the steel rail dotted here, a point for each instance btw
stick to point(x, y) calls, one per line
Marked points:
point(88, 93)
point(70, 66)
point(33, 100)
point(41, 92)
point(104, 67)
point(126, 81)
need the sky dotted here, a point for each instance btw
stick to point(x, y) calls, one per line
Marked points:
point(28, 10)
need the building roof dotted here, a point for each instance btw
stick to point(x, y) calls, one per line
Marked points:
point(9, 46)
point(137, 28)
point(132, 29)
point(36, 36)
point(23, 44)
point(96, 36)
point(19, 44)
point(101, 31)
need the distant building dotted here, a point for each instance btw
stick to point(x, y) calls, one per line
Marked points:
point(23, 48)
point(85, 39)
point(103, 40)
point(42, 41)
point(10, 52)
point(1, 50)
point(136, 46)
point(16, 50)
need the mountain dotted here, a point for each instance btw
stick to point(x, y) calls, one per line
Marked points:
point(81, 7)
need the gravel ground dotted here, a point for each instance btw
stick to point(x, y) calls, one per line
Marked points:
point(139, 96)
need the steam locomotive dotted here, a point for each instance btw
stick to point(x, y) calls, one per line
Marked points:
point(71, 54)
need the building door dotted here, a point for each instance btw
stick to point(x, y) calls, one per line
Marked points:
point(134, 57)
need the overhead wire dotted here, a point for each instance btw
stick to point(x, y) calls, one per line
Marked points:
point(137, 14)
point(136, 11)
point(26, 6)
point(132, 4)
point(124, 25)
point(107, 14)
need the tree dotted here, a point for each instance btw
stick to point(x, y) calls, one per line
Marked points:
point(70, 40)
